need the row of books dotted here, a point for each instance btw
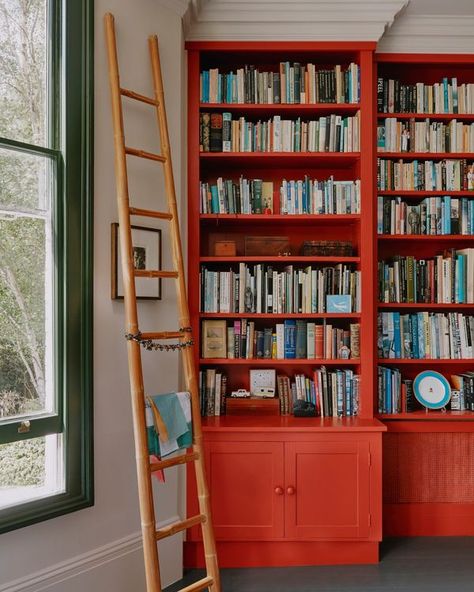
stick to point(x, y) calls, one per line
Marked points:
point(264, 289)
point(220, 133)
point(245, 196)
point(334, 393)
point(301, 196)
point(442, 97)
point(395, 394)
point(424, 136)
point(425, 335)
point(425, 175)
point(432, 216)
point(445, 279)
point(293, 83)
point(212, 392)
point(308, 196)
point(292, 339)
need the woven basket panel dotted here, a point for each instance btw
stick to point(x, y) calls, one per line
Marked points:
point(428, 468)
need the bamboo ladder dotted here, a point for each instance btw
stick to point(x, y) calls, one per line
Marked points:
point(151, 340)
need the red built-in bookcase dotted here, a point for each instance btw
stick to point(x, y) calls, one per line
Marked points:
point(428, 457)
point(284, 490)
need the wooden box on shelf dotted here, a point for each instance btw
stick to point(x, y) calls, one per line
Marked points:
point(253, 406)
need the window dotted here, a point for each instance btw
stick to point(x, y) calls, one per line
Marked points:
point(45, 259)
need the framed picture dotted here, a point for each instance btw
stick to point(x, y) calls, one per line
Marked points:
point(214, 339)
point(146, 255)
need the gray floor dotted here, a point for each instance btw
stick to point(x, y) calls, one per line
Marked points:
point(438, 564)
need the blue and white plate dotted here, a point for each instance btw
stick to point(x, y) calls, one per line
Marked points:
point(432, 389)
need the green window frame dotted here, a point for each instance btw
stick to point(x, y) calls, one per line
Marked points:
point(71, 157)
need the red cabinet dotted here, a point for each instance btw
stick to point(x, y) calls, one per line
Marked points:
point(246, 481)
point(288, 491)
point(327, 489)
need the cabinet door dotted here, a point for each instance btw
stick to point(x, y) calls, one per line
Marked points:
point(246, 485)
point(327, 490)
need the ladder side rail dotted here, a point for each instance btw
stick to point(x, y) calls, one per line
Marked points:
point(184, 321)
point(152, 568)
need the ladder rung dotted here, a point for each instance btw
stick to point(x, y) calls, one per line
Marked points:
point(162, 335)
point(172, 462)
point(150, 213)
point(155, 273)
point(179, 526)
point(131, 94)
point(199, 585)
point(144, 154)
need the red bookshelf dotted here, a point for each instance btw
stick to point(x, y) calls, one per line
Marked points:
point(418, 444)
point(265, 450)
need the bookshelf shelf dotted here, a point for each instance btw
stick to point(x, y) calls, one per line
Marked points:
point(425, 306)
point(283, 423)
point(420, 193)
point(425, 362)
point(422, 415)
point(428, 237)
point(427, 156)
point(283, 260)
point(434, 116)
point(287, 219)
point(245, 315)
point(283, 108)
point(272, 362)
point(280, 159)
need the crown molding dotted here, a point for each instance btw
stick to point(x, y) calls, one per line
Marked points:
point(415, 33)
point(352, 20)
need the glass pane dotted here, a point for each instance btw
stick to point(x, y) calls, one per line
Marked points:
point(23, 64)
point(31, 469)
point(25, 180)
point(26, 289)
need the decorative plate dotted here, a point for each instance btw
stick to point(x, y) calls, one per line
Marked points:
point(432, 389)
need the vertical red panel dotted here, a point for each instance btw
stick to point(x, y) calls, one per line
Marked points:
point(367, 234)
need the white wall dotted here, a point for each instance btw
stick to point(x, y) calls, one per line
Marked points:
point(102, 544)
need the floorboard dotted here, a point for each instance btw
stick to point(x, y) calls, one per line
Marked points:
point(440, 564)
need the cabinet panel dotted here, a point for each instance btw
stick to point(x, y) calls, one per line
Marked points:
point(327, 489)
point(243, 479)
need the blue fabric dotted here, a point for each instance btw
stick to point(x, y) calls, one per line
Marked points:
point(172, 414)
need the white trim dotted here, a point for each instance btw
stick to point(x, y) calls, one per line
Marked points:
point(60, 572)
point(417, 33)
point(296, 20)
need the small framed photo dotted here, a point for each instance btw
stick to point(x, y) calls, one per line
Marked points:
point(214, 339)
point(146, 255)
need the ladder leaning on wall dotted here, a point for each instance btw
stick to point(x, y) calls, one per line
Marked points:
point(136, 339)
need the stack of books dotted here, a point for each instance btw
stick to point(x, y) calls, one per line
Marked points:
point(425, 335)
point(425, 175)
point(264, 289)
point(445, 279)
point(442, 97)
point(293, 83)
point(333, 133)
point(395, 395)
point(308, 196)
point(432, 216)
point(334, 393)
point(212, 392)
point(292, 339)
point(424, 136)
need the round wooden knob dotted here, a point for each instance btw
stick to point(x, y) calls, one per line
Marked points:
point(279, 490)
point(290, 490)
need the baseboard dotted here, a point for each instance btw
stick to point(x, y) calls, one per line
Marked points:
point(428, 519)
point(80, 564)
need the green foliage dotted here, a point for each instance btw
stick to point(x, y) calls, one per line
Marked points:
point(22, 463)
